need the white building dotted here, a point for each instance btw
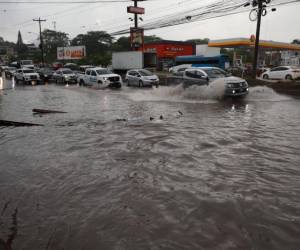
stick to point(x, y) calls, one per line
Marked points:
point(290, 58)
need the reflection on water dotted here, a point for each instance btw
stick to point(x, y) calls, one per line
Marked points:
point(212, 174)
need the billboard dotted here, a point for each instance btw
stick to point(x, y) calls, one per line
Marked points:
point(136, 37)
point(71, 53)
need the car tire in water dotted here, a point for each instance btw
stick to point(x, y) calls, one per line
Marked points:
point(81, 82)
point(289, 77)
point(141, 84)
point(265, 76)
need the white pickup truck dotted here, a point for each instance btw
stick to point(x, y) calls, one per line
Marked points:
point(100, 78)
point(27, 76)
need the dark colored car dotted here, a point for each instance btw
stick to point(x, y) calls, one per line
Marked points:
point(45, 74)
point(234, 86)
point(57, 65)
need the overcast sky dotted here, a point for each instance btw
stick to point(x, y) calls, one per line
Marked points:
point(282, 25)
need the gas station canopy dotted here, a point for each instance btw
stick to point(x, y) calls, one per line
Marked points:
point(250, 42)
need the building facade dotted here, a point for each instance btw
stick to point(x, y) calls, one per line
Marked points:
point(166, 51)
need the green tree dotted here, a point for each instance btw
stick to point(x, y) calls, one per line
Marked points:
point(98, 46)
point(53, 39)
point(148, 39)
point(199, 41)
point(122, 44)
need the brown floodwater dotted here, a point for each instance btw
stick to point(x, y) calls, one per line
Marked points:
point(219, 174)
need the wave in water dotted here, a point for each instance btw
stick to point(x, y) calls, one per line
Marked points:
point(263, 93)
point(204, 94)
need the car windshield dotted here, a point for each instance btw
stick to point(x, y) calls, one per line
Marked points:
point(103, 71)
point(27, 62)
point(28, 71)
point(215, 73)
point(144, 72)
point(46, 70)
point(66, 72)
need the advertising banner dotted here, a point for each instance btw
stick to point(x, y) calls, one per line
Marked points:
point(136, 37)
point(71, 53)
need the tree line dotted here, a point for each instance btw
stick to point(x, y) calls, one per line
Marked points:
point(99, 46)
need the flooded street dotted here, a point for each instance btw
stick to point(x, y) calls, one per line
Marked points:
point(210, 174)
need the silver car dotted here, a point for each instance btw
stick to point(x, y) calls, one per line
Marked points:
point(141, 78)
point(64, 75)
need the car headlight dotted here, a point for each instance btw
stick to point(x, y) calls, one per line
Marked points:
point(66, 77)
point(105, 78)
point(229, 85)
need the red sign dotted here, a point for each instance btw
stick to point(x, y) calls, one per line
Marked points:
point(169, 50)
point(135, 10)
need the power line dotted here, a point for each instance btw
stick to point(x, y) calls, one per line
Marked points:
point(64, 2)
point(205, 15)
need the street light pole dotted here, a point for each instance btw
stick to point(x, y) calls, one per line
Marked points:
point(41, 38)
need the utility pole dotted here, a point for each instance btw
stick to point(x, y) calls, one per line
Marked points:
point(135, 31)
point(41, 38)
point(136, 15)
point(260, 10)
point(54, 25)
point(259, 13)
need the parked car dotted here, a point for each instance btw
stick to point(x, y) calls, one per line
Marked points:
point(100, 78)
point(27, 76)
point(71, 66)
point(141, 78)
point(26, 64)
point(83, 68)
point(57, 65)
point(235, 86)
point(9, 72)
point(282, 73)
point(45, 74)
point(179, 69)
point(3, 68)
point(64, 76)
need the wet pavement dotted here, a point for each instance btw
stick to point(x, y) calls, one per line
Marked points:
point(208, 174)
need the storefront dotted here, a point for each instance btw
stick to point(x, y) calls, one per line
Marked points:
point(166, 51)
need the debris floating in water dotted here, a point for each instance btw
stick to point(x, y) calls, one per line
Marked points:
point(46, 111)
point(161, 117)
point(6, 123)
point(180, 112)
point(121, 120)
point(151, 118)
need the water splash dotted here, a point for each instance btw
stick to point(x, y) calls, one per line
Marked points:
point(263, 93)
point(204, 94)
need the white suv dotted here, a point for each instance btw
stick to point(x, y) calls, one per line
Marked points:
point(282, 73)
point(100, 78)
point(27, 76)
